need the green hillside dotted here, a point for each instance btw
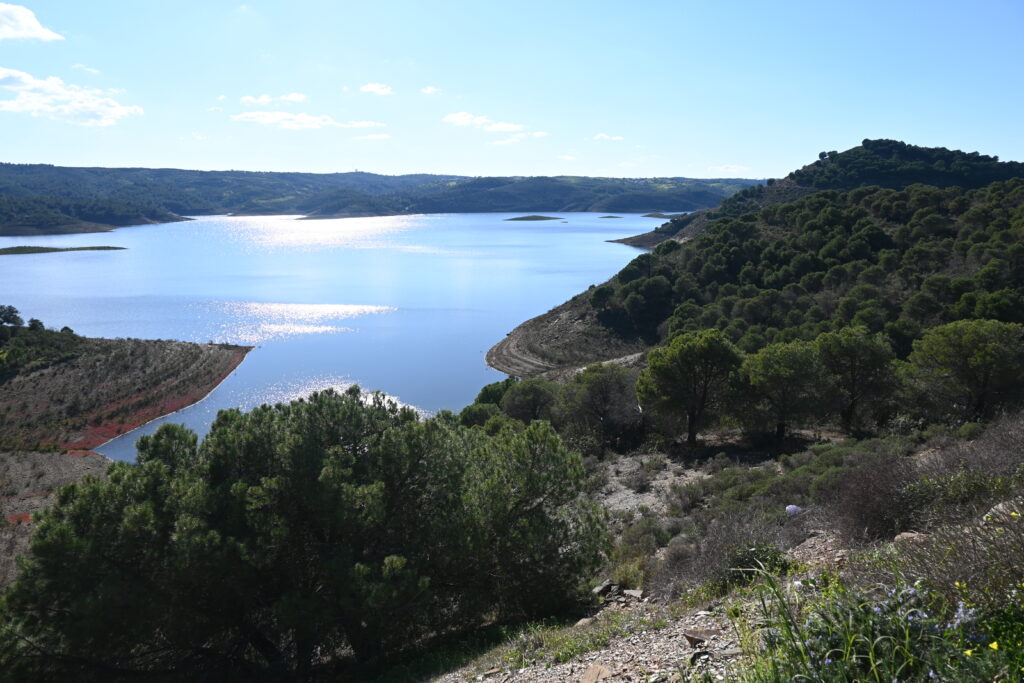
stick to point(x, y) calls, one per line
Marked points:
point(37, 198)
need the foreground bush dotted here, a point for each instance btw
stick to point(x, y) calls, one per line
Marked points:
point(897, 632)
point(292, 536)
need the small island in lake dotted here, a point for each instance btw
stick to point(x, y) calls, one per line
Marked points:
point(533, 218)
point(611, 216)
point(49, 250)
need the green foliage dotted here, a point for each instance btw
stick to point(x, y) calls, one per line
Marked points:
point(893, 260)
point(860, 365)
point(295, 531)
point(477, 414)
point(25, 349)
point(894, 633)
point(690, 375)
point(495, 391)
point(9, 316)
point(530, 399)
point(747, 563)
point(890, 163)
point(787, 383)
point(553, 643)
point(601, 401)
point(968, 369)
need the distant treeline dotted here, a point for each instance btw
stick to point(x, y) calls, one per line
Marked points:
point(45, 197)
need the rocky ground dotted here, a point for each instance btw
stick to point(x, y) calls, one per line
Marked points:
point(662, 641)
point(567, 336)
point(27, 484)
point(668, 643)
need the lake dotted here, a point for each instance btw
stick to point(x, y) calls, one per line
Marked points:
point(407, 305)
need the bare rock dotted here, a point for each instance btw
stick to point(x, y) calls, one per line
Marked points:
point(595, 673)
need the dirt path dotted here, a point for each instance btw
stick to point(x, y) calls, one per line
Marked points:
point(511, 357)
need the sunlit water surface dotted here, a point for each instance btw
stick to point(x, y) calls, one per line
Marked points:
point(408, 305)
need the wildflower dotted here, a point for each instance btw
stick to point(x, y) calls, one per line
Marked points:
point(969, 653)
point(994, 645)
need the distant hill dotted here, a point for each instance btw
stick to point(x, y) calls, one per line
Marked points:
point(38, 198)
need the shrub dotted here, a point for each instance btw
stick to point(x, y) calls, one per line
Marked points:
point(893, 633)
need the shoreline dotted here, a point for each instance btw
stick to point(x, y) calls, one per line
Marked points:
point(96, 436)
point(239, 356)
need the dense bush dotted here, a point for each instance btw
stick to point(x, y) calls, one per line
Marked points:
point(293, 534)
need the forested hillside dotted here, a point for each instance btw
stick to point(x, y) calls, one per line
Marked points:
point(885, 163)
point(893, 260)
point(40, 198)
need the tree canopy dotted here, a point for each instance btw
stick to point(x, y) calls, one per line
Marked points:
point(691, 374)
point(292, 534)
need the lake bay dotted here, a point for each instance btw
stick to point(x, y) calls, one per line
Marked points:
point(407, 305)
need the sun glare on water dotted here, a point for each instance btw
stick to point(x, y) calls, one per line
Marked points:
point(251, 322)
point(351, 233)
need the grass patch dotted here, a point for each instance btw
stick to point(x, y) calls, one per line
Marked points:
point(829, 631)
point(545, 643)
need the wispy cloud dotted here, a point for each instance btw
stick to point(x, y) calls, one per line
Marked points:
point(20, 22)
point(463, 118)
point(567, 157)
point(373, 136)
point(729, 168)
point(430, 90)
point(605, 136)
point(52, 98)
point(377, 89)
point(86, 69)
point(293, 121)
point(519, 137)
point(467, 120)
point(267, 99)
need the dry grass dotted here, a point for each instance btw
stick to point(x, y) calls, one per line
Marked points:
point(110, 386)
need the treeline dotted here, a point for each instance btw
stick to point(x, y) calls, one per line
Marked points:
point(32, 346)
point(889, 164)
point(894, 164)
point(37, 214)
point(46, 196)
point(850, 379)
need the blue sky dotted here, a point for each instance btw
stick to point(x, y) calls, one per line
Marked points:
point(643, 88)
